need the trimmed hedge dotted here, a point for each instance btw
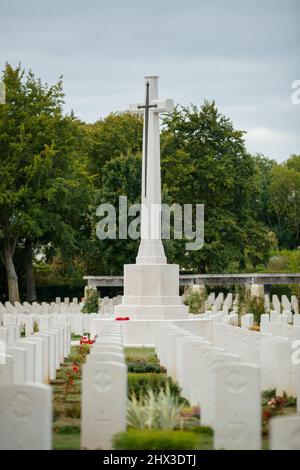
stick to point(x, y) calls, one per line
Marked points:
point(138, 383)
point(155, 439)
point(143, 367)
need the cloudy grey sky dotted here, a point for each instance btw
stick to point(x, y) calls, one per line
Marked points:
point(243, 54)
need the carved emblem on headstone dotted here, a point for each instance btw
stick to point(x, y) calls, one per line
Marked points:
point(235, 382)
point(21, 405)
point(102, 381)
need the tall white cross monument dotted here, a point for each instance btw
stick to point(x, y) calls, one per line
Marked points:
point(151, 286)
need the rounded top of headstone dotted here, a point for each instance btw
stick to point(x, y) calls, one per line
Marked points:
point(151, 76)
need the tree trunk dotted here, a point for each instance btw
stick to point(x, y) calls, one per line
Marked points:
point(12, 278)
point(29, 274)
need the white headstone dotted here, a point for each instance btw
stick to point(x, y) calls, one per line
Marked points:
point(295, 304)
point(237, 407)
point(25, 417)
point(6, 369)
point(19, 363)
point(39, 357)
point(30, 359)
point(247, 321)
point(296, 320)
point(104, 399)
point(191, 353)
point(207, 404)
point(53, 351)
point(106, 357)
point(265, 317)
point(285, 433)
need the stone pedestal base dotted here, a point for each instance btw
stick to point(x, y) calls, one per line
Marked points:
point(151, 291)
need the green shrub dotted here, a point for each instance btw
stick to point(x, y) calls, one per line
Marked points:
point(143, 367)
point(160, 411)
point(196, 302)
point(138, 384)
point(91, 304)
point(266, 395)
point(204, 430)
point(154, 439)
point(287, 261)
point(257, 307)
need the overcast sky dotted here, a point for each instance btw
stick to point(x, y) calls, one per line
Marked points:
point(243, 54)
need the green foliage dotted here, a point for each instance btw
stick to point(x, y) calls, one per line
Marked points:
point(139, 366)
point(153, 439)
point(196, 302)
point(204, 160)
point(91, 304)
point(45, 188)
point(257, 307)
point(118, 134)
point(154, 410)
point(142, 360)
point(287, 261)
point(204, 430)
point(120, 176)
point(285, 202)
point(247, 304)
point(288, 401)
point(267, 395)
point(139, 383)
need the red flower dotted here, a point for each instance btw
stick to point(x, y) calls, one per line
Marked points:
point(75, 369)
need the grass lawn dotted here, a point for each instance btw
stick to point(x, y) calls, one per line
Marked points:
point(66, 441)
point(145, 354)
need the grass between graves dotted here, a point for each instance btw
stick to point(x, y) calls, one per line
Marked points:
point(67, 405)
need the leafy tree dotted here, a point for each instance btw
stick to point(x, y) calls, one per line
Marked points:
point(45, 187)
point(115, 135)
point(204, 161)
point(285, 201)
point(293, 163)
point(261, 195)
point(121, 176)
point(114, 150)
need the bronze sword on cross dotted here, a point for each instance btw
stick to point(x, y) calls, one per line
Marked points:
point(146, 107)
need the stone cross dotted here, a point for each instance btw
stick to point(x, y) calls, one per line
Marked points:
point(151, 250)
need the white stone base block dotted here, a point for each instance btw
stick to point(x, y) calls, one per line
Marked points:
point(143, 332)
point(151, 291)
point(155, 312)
